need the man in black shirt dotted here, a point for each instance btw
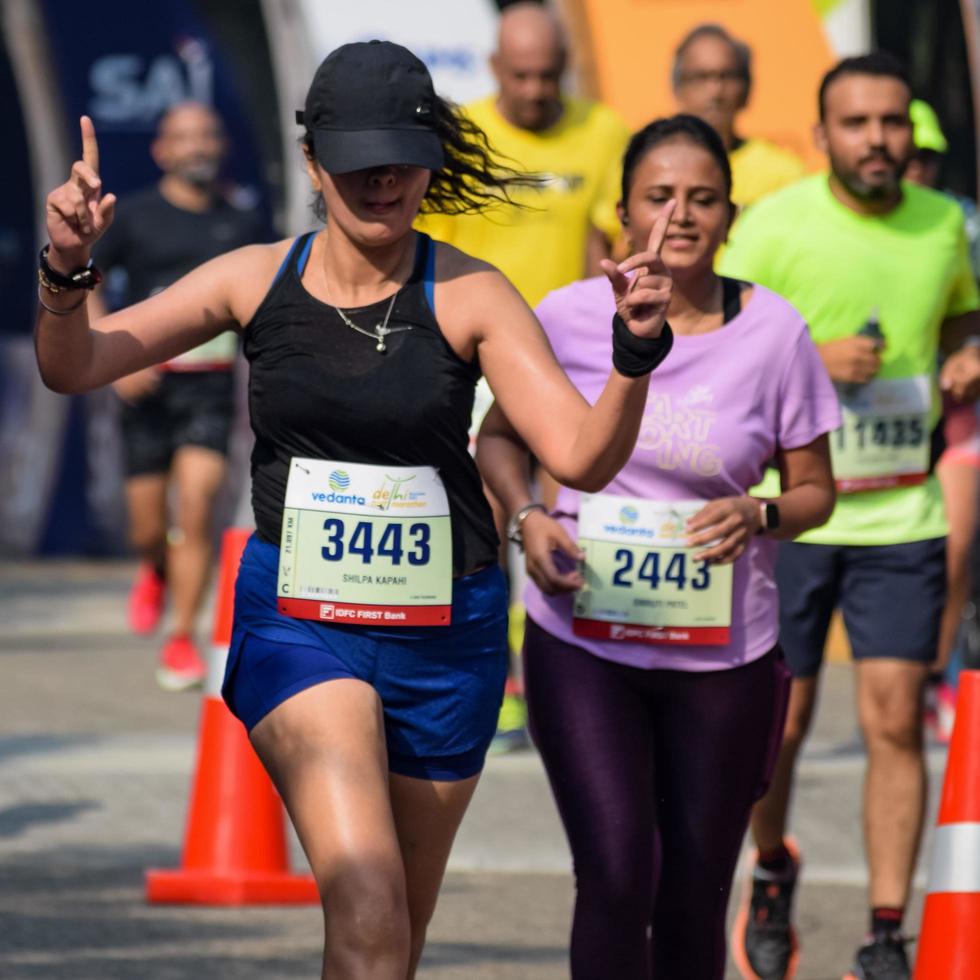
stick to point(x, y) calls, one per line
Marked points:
point(177, 416)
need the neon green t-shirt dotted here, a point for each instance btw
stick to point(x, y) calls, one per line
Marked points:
point(837, 268)
point(542, 247)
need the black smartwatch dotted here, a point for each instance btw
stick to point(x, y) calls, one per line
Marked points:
point(87, 277)
point(769, 514)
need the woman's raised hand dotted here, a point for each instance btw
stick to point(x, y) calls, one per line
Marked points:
point(642, 300)
point(77, 213)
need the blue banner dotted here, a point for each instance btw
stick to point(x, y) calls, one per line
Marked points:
point(126, 66)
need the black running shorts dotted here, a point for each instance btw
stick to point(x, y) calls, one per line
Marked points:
point(891, 598)
point(189, 408)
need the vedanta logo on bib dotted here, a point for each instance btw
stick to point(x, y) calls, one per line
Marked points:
point(339, 480)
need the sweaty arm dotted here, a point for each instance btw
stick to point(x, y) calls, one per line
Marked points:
point(504, 462)
point(808, 490)
point(724, 527)
point(132, 387)
point(77, 353)
point(582, 447)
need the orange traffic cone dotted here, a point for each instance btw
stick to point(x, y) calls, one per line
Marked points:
point(949, 947)
point(235, 850)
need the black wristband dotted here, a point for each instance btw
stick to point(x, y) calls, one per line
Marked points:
point(634, 356)
point(87, 277)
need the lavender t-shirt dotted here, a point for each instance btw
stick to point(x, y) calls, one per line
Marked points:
point(719, 407)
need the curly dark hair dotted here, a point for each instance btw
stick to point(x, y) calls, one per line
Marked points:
point(474, 177)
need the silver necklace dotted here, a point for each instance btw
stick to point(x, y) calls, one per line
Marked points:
point(381, 330)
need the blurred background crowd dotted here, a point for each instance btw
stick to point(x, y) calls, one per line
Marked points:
point(61, 471)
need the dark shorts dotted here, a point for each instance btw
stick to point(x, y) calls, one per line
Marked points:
point(440, 686)
point(189, 408)
point(891, 597)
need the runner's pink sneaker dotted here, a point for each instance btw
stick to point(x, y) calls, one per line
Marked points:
point(146, 599)
point(181, 666)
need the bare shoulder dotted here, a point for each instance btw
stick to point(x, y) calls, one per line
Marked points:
point(470, 297)
point(453, 263)
point(249, 271)
point(254, 259)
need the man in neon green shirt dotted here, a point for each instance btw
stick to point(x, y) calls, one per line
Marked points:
point(879, 269)
point(712, 79)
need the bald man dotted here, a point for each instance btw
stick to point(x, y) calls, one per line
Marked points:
point(176, 417)
point(577, 145)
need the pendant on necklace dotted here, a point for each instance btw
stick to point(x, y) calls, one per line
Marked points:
point(380, 331)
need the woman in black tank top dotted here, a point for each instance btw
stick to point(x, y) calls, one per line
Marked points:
point(365, 341)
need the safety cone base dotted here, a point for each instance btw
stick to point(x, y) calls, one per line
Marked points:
point(235, 849)
point(183, 887)
point(949, 940)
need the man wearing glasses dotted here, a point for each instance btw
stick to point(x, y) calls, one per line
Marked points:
point(712, 78)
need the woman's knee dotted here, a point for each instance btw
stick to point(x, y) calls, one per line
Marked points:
point(194, 518)
point(619, 891)
point(366, 910)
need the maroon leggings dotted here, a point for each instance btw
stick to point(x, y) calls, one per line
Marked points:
point(654, 773)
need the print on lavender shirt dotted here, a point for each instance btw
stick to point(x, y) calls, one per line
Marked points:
point(677, 431)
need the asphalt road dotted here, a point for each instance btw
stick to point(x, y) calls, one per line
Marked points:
point(95, 766)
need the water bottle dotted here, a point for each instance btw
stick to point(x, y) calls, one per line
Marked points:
point(870, 328)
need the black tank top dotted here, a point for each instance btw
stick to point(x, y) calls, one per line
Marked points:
point(321, 390)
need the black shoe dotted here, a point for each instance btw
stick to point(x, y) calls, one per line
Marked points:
point(881, 957)
point(764, 944)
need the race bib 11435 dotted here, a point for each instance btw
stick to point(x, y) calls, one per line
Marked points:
point(365, 545)
point(884, 438)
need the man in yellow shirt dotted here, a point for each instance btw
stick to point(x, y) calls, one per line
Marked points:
point(712, 79)
point(567, 221)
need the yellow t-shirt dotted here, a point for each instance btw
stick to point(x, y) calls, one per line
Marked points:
point(759, 168)
point(542, 246)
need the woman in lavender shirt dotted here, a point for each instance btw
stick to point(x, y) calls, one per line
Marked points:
point(654, 679)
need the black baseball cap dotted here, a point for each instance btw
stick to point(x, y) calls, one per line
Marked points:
point(372, 104)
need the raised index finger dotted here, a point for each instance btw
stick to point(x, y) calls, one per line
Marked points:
point(90, 146)
point(659, 230)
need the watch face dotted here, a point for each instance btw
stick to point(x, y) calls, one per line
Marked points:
point(772, 517)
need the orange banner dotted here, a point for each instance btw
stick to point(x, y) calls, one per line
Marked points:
point(625, 49)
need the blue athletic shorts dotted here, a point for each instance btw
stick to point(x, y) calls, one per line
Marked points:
point(440, 686)
point(891, 598)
